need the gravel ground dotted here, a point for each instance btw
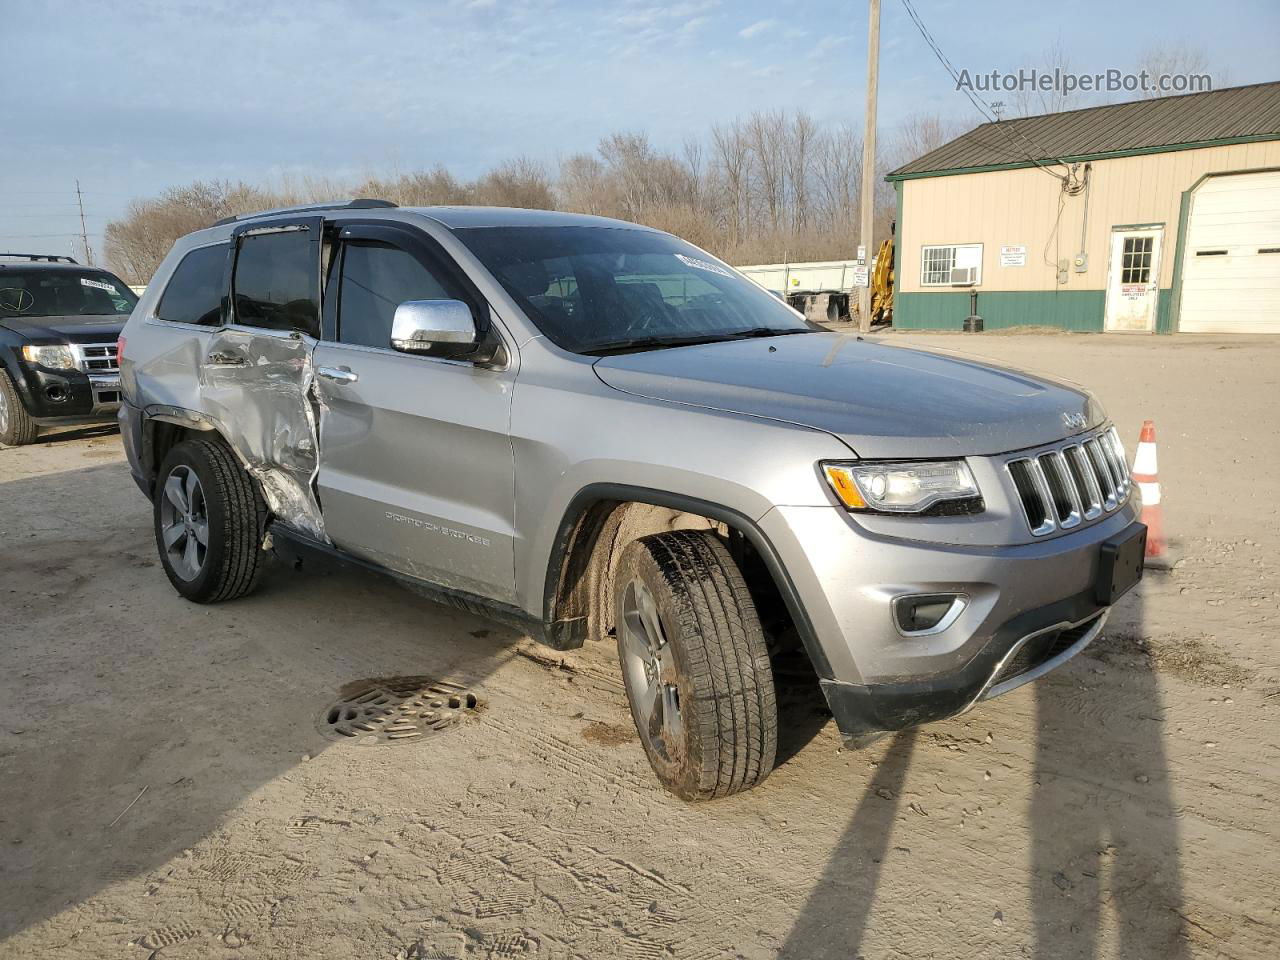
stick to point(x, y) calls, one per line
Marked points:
point(166, 791)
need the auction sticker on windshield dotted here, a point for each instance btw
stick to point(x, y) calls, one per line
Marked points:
point(702, 265)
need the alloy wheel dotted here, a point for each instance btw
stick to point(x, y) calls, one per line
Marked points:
point(184, 522)
point(651, 672)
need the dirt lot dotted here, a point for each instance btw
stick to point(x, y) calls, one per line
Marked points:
point(165, 790)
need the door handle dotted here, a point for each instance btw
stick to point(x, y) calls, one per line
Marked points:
point(218, 359)
point(337, 374)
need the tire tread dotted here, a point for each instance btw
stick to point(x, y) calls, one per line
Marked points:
point(733, 741)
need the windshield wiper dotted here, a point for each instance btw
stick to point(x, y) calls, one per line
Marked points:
point(649, 343)
point(660, 343)
point(766, 332)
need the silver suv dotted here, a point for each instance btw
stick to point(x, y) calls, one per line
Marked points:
point(587, 428)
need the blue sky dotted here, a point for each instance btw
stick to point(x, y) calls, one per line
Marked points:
point(135, 97)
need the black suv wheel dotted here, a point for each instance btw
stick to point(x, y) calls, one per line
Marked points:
point(16, 426)
point(209, 519)
point(695, 665)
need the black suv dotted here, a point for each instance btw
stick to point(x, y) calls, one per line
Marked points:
point(59, 323)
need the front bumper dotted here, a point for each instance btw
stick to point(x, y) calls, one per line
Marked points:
point(53, 397)
point(882, 679)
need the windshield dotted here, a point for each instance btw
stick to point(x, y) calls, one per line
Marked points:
point(63, 293)
point(599, 290)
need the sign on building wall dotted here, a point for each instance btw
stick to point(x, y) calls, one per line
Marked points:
point(1013, 255)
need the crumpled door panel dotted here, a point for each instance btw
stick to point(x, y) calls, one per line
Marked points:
point(257, 385)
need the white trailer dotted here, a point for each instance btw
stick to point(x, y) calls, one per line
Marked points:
point(820, 289)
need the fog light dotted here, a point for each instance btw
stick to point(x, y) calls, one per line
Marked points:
point(927, 613)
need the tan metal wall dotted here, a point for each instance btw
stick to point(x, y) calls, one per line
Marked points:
point(1020, 207)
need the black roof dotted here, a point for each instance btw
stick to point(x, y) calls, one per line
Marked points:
point(26, 266)
point(1234, 113)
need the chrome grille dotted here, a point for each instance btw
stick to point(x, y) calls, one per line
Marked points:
point(1073, 484)
point(98, 358)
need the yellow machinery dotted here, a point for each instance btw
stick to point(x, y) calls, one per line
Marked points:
point(882, 285)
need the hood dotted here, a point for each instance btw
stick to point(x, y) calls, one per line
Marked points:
point(883, 401)
point(102, 328)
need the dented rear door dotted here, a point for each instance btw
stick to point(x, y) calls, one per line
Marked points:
point(256, 373)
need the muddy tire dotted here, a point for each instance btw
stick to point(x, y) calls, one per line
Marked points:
point(17, 429)
point(209, 521)
point(695, 665)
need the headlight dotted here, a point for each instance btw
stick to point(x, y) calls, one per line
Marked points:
point(880, 487)
point(57, 357)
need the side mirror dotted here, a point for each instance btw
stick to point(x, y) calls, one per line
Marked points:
point(419, 326)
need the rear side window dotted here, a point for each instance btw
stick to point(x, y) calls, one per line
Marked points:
point(277, 281)
point(194, 293)
point(377, 278)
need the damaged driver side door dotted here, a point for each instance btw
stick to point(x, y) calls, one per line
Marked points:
point(256, 374)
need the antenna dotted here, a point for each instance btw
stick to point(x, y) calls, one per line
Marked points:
point(84, 233)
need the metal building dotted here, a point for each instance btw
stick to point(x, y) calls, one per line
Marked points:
point(1152, 216)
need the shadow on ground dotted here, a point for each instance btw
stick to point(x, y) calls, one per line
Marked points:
point(136, 722)
point(1104, 837)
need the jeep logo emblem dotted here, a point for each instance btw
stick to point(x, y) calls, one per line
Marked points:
point(1074, 421)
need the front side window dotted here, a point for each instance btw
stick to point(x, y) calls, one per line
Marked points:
point(63, 293)
point(277, 281)
point(377, 278)
point(597, 290)
point(194, 293)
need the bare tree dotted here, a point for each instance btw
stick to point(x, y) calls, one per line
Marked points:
point(838, 177)
point(734, 163)
point(919, 134)
point(766, 132)
point(800, 141)
point(1179, 60)
point(1028, 103)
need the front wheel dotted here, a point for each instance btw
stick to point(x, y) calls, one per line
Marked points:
point(209, 519)
point(16, 426)
point(695, 665)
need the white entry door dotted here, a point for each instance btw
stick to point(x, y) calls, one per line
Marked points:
point(1133, 280)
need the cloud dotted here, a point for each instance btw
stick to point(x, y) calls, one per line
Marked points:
point(757, 28)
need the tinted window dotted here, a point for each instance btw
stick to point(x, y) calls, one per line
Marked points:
point(600, 289)
point(377, 278)
point(194, 294)
point(277, 281)
point(57, 292)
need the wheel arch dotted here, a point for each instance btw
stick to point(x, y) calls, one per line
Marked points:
point(163, 428)
point(570, 595)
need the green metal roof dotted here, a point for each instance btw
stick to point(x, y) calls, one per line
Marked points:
point(1232, 115)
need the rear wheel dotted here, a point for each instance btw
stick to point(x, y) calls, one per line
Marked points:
point(209, 519)
point(695, 665)
point(16, 426)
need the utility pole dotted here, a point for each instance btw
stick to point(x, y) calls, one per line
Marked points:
point(869, 163)
point(84, 233)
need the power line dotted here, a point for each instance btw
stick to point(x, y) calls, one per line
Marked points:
point(36, 236)
point(48, 216)
point(984, 109)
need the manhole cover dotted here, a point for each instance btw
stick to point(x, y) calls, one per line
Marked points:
point(396, 709)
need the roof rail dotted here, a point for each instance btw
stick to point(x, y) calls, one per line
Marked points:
point(360, 203)
point(51, 257)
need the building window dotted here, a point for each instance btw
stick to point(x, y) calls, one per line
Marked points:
point(1136, 265)
point(945, 265)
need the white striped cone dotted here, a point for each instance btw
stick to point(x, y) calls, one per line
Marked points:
point(1146, 476)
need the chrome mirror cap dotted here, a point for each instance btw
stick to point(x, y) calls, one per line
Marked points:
point(419, 325)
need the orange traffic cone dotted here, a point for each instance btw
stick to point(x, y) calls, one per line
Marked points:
point(1145, 472)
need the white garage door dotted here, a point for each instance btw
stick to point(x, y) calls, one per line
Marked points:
point(1231, 274)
